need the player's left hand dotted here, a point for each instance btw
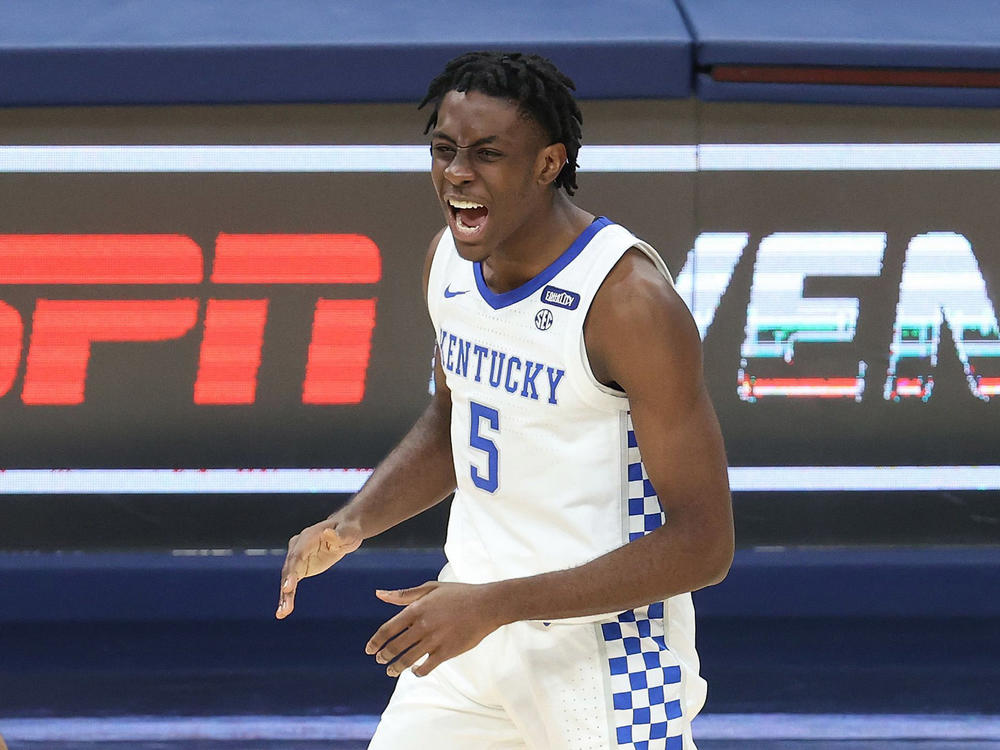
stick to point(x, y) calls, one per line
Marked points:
point(441, 620)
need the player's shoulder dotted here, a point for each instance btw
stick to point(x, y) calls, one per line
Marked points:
point(638, 320)
point(637, 305)
point(636, 289)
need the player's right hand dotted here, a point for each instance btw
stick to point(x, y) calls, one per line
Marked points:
point(312, 551)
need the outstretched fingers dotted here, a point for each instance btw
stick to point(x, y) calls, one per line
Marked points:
point(389, 630)
point(429, 664)
point(400, 646)
point(310, 553)
point(406, 638)
point(401, 652)
point(403, 597)
point(290, 578)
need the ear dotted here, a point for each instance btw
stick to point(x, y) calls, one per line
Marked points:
point(551, 160)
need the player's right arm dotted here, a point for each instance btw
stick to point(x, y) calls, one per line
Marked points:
point(418, 474)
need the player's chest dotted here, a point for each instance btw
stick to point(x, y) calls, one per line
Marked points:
point(519, 353)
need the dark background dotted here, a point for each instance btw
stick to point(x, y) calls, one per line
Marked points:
point(139, 411)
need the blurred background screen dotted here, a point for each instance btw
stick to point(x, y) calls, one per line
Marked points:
point(211, 324)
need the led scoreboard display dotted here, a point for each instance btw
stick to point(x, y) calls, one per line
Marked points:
point(200, 345)
point(64, 330)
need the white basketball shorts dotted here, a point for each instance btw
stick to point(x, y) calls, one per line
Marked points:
point(589, 686)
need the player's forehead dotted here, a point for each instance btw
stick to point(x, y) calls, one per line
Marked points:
point(469, 116)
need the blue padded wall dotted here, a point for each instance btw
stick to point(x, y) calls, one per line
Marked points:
point(913, 34)
point(55, 52)
point(922, 34)
point(231, 51)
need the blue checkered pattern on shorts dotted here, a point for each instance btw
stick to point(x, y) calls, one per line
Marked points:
point(645, 681)
point(645, 676)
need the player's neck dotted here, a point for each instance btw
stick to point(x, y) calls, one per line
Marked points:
point(538, 242)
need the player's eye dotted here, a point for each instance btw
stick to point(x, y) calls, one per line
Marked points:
point(488, 154)
point(442, 151)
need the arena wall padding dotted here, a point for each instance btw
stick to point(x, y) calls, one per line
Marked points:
point(920, 34)
point(230, 51)
point(157, 586)
point(96, 52)
point(879, 33)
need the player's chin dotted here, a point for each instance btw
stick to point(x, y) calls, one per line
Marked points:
point(471, 243)
point(473, 252)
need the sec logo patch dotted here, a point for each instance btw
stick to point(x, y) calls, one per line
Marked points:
point(543, 319)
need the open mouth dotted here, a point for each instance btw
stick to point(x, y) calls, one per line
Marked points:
point(470, 217)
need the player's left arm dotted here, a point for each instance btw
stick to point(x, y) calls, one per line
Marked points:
point(639, 336)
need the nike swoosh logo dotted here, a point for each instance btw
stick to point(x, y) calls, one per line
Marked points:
point(448, 294)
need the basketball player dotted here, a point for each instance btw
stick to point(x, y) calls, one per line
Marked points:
point(571, 416)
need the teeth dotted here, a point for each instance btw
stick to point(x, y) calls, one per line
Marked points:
point(454, 203)
point(464, 227)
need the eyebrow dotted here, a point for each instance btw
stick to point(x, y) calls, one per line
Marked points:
point(480, 142)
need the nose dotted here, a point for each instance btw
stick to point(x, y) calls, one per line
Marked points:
point(459, 169)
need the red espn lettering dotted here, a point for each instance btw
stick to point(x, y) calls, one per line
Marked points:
point(230, 356)
point(62, 331)
point(99, 259)
point(11, 334)
point(230, 351)
point(339, 352)
point(296, 259)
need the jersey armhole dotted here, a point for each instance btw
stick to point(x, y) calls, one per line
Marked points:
point(604, 396)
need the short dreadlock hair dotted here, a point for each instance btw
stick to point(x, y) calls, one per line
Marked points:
point(533, 82)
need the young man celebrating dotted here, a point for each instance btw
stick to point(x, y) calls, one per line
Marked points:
point(571, 419)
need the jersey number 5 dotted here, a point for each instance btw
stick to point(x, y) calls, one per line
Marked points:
point(479, 412)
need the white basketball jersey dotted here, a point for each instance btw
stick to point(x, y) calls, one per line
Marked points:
point(548, 471)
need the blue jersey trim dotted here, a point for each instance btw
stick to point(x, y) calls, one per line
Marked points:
point(498, 301)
